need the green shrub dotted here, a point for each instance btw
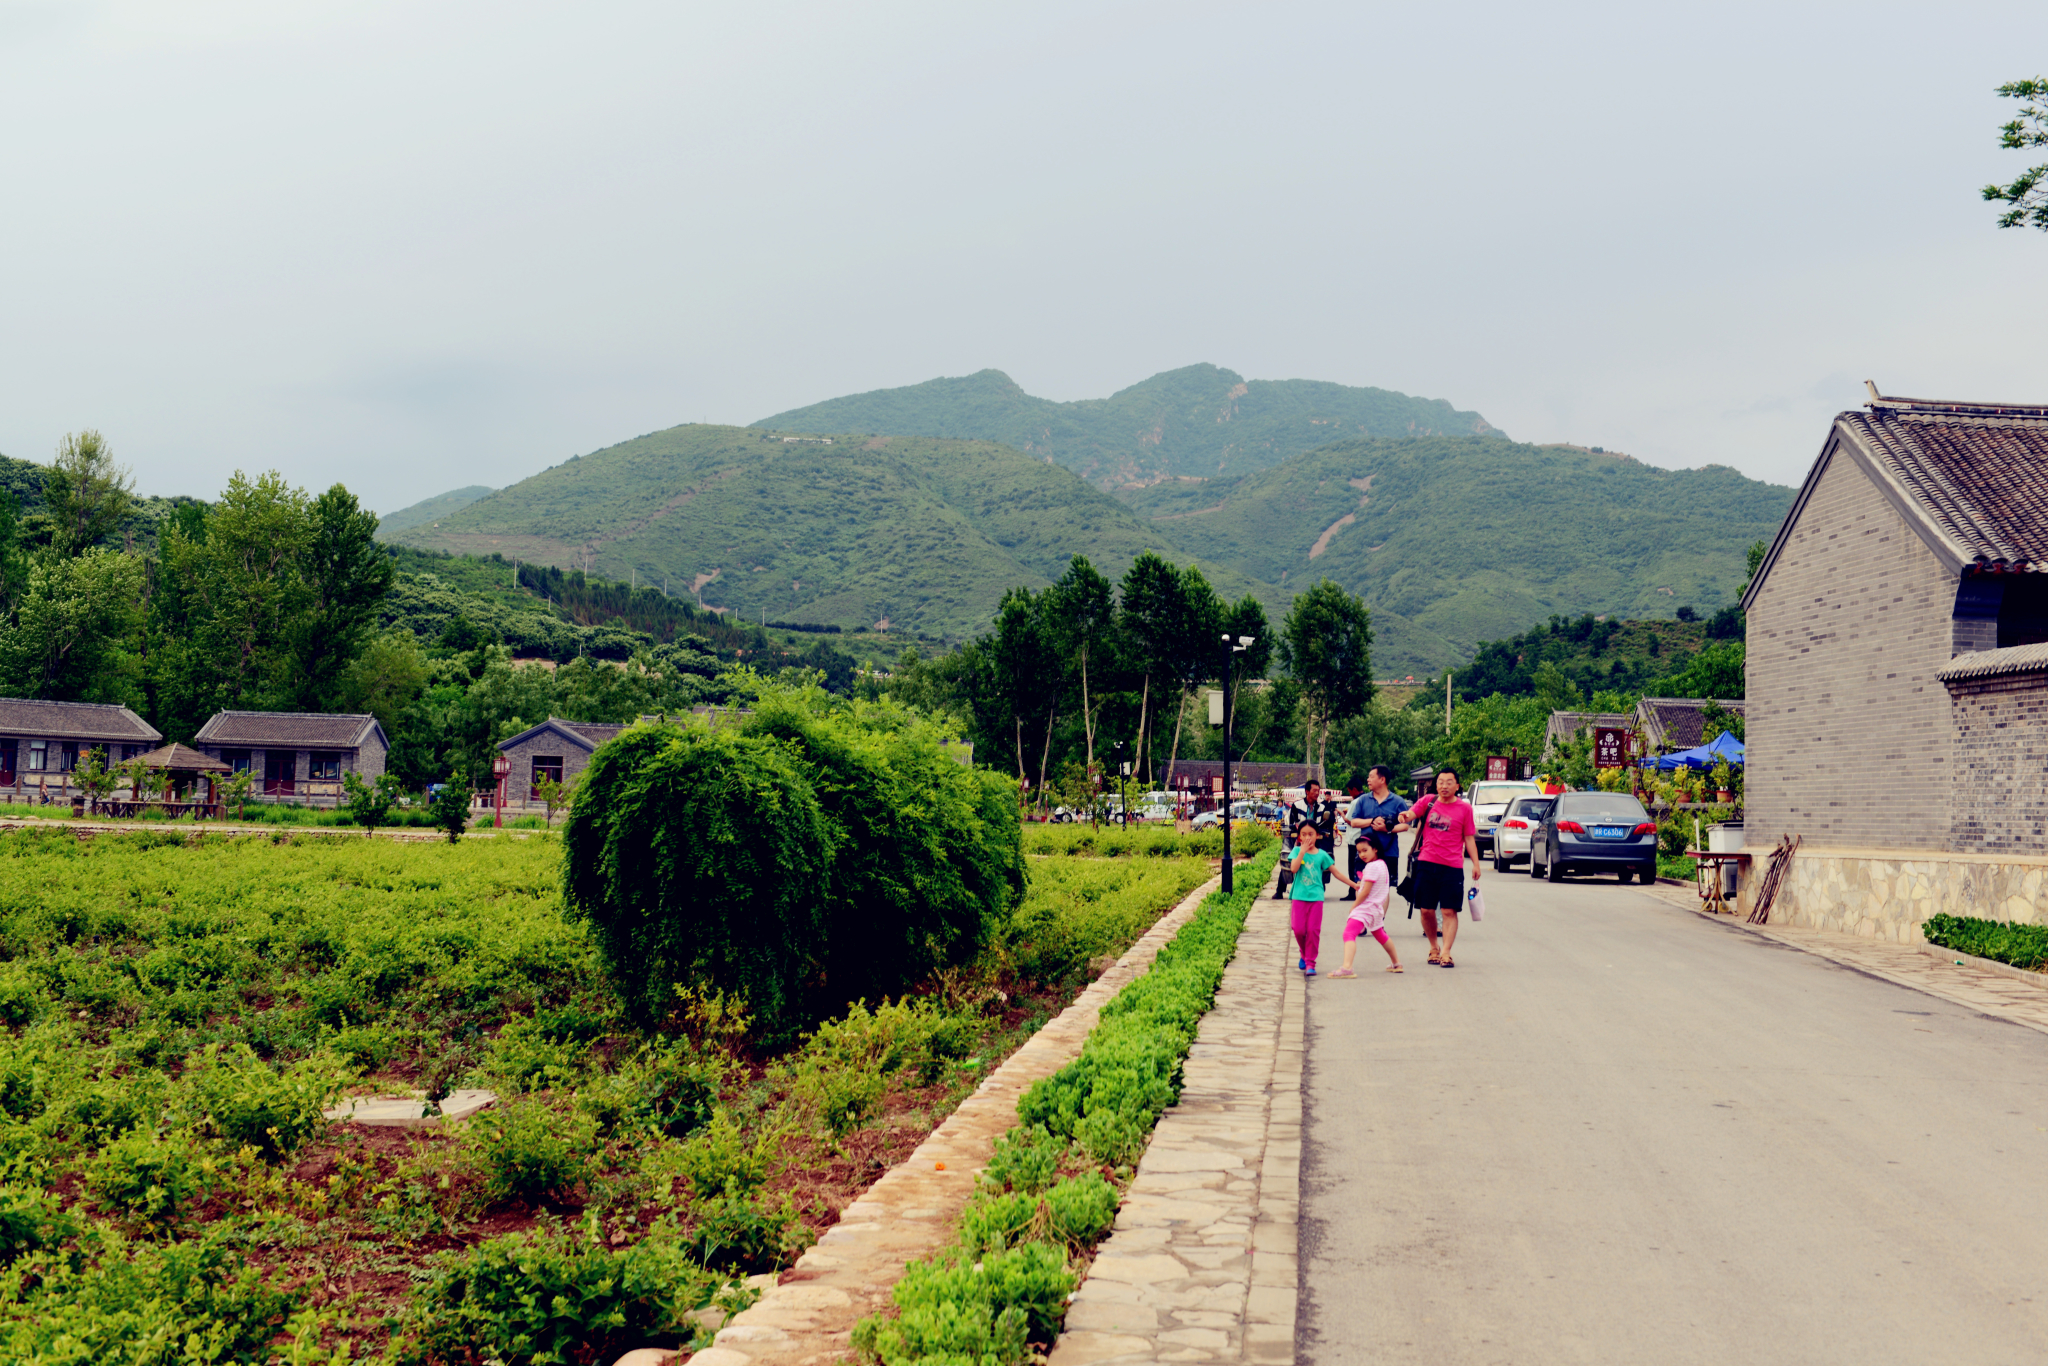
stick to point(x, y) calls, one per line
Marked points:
point(242, 1100)
point(1082, 1208)
point(553, 1296)
point(527, 1056)
point(1026, 1159)
point(30, 1221)
point(152, 1179)
point(527, 1147)
point(993, 1222)
point(696, 855)
point(367, 1048)
point(667, 1088)
point(955, 1308)
point(717, 1158)
point(1075, 910)
point(747, 1231)
point(110, 1106)
point(845, 1066)
point(113, 1301)
point(2023, 946)
point(1153, 841)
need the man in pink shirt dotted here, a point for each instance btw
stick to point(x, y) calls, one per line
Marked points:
point(1448, 831)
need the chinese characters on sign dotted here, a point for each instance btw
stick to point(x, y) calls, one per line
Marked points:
point(1610, 747)
point(1496, 768)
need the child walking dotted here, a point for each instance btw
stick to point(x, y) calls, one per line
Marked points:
point(1369, 914)
point(1306, 907)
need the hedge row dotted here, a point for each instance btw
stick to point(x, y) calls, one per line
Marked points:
point(2023, 946)
point(1155, 841)
point(1004, 1285)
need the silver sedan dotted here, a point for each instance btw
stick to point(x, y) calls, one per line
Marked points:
point(1517, 824)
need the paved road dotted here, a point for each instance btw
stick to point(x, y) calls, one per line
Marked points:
point(1616, 1132)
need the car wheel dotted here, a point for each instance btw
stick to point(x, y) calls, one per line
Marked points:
point(1500, 863)
point(1534, 871)
point(1628, 875)
point(1553, 871)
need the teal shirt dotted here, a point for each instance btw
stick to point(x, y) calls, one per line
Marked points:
point(1308, 879)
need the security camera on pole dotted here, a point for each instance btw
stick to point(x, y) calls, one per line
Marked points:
point(1234, 648)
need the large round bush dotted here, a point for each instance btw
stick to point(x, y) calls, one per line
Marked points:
point(700, 855)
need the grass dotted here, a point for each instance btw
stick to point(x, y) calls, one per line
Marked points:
point(176, 1011)
point(1155, 841)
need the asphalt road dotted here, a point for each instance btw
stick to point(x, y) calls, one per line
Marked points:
point(1616, 1132)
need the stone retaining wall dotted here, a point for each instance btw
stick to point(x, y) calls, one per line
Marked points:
point(914, 1209)
point(1889, 894)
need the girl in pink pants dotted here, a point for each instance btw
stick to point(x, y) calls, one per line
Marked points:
point(1305, 909)
point(1369, 916)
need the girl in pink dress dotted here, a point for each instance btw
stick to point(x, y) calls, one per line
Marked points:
point(1369, 915)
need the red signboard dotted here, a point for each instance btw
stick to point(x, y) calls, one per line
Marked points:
point(1496, 768)
point(1216, 785)
point(1610, 747)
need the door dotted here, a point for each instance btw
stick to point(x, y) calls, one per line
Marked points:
point(279, 766)
point(8, 749)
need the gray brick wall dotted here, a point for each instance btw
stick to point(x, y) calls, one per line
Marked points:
point(2000, 781)
point(1847, 722)
point(519, 785)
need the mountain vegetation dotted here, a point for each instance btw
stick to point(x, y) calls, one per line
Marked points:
point(427, 512)
point(924, 535)
point(1199, 421)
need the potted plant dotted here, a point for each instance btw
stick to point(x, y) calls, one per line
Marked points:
point(1724, 782)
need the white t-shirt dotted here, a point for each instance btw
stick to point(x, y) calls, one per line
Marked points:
point(1375, 887)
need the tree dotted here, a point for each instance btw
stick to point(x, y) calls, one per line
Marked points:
point(92, 777)
point(234, 790)
point(346, 575)
point(450, 808)
point(1326, 643)
point(1025, 674)
point(1173, 623)
point(555, 795)
point(369, 804)
point(13, 558)
point(1083, 615)
point(71, 636)
point(2028, 195)
point(385, 678)
point(85, 494)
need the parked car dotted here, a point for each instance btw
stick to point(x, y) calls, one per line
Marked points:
point(1239, 811)
point(1595, 832)
point(1490, 801)
point(1517, 827)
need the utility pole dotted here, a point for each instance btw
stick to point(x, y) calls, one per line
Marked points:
point(1447, 701)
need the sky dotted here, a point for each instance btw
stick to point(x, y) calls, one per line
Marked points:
point(413, 247)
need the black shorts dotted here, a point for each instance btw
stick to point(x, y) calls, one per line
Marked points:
point(1439, 887)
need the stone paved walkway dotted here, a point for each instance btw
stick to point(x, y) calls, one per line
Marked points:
point(1201, 1265)
point(1993, 989)
point(914, 1209)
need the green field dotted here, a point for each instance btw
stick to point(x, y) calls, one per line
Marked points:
point(176, 1012)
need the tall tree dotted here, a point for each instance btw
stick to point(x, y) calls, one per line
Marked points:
point(2028, 194)
point(1082, 612)
point(346, 575)
point(13, 558)
point(1326, 644)
point(85, 494)
point(1196, 647)
point(1149, 625)
point(69, 641)
point(1024, 656)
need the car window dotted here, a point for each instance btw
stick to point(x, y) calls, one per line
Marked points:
point(1487, 794)
point(1601, 806)
point(1535, 808)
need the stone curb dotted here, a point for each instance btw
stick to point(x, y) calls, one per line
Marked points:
point(913, 1209)
point(1202, 1263)
point(2028, 975)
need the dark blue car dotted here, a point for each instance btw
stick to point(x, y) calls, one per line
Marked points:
point(1595, 832)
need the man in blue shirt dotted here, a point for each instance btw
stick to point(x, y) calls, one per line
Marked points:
point(1373, 816)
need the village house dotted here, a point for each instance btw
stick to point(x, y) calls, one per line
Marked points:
point(554, 749)
point(40, 743)
point(296, 756)
point(1898, 673)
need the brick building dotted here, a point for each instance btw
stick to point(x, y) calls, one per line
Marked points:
point(554, 749)
point(40, 743)
point(296, 756)
point(1897, 675)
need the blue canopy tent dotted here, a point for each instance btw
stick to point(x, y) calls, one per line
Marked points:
point(1722, 746)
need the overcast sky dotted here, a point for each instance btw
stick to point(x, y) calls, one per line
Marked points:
point(416, 246)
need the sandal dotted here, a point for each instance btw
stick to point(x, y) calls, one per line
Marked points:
point(1436, 957)
point(1447, 963)
point(1343, 972)
point(1395, 968)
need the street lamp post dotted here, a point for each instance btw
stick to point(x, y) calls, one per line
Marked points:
point(501, 767)
point(1123, 797)
point(1232, 649)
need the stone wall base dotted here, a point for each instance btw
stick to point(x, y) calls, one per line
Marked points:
point(1889, 894)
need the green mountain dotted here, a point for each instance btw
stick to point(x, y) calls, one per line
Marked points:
point(924, 535)
point(1200, 421)
point(431, 510)
point(1471, 539)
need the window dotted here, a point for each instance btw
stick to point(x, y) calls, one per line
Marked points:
point(70, 759)
point(38, 755)
point(7, 754)
point(323, 767)
point(546, 767)
point(236, 759)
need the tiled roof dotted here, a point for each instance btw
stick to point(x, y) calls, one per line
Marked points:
point(1566, 724)
point(1677, 722)
point(596, 732)
point(2013, 659)
point(183, 759)
point(288, 729)
point(1977, 471)
point(74, 721)
point(589, 734)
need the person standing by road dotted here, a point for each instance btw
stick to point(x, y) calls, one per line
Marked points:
point(1374, 816)
point(1305, 906)
point(1448, 830)
point(1309, 810)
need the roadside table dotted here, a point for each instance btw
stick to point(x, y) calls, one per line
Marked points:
point(1707, 874)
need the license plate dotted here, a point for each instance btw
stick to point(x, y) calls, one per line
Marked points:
point(1609, 832)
